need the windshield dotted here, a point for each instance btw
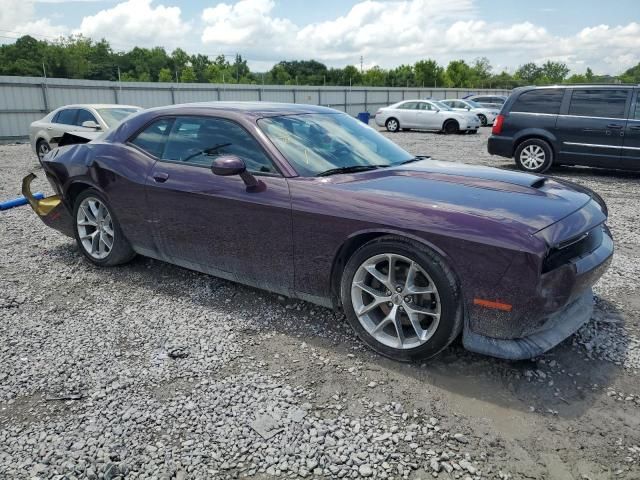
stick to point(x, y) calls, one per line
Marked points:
point(113, 116)
point(319, 142)
point(442, 106)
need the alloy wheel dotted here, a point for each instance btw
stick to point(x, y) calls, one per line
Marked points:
point(43, 149)
point(532, 157)
point(395, 301)
point(95, 228)
point(392, 125)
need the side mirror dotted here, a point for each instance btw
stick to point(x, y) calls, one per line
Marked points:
point(91, 124)
point(226, 165)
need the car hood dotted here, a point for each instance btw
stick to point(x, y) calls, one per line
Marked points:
point(532, 202)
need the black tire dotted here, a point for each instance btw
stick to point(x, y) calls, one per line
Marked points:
point(42, 148)
point(525, 159)
point(392, 124)
point(451, 309)
point(121, 251)
point(483, 120)
point(451, 127)
point(473, 132)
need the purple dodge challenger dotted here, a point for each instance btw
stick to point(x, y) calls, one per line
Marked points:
point(308, 202)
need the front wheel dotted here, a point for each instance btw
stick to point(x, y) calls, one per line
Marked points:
point(97, 231)
point(534, 155)
point(42, 148)
point(450, 127)
point(401, 299)
point(483, 120)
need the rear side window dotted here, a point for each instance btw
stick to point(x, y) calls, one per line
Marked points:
point(637, 114)
point(598, 103)
point(66, 116)
point(539, 101)
point(154, 137)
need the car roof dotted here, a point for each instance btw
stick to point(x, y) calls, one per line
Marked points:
point(97, 105)
point(256, 109)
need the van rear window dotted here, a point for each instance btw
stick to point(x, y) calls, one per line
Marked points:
point(545, 100)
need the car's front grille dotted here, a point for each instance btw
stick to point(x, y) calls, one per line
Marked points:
point(573, 248)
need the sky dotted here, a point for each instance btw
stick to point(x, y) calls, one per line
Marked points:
point(602, 35)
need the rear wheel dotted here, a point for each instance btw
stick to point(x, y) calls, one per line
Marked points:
point(42, 148)
point(450, 127)
point(97, 231)
point(401, 299)
point(392, 125)
point(534, 155)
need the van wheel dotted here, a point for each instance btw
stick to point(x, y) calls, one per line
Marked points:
point(534, 155)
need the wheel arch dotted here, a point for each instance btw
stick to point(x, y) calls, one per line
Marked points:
point(76, 188)
point(392, 117)
point(535, 134)
point(450, 119)
point(357, 239)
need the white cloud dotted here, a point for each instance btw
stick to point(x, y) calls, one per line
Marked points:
point(392, 32)
point(136, 23)
point(17, 18)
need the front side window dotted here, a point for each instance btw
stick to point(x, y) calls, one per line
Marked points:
point(637, 114)
point(84, 116)
point(545, 100)
point(199, 140)
point(607, 103)
point(66, 116)
point(316, 143)
point(154, 137)
point(425, 106)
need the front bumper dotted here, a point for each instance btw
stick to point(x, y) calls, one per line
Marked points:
point(560, 304)
point(560, 326)
point(51, 210)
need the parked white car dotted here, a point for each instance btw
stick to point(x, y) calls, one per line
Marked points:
point(486, 115)
point(426, 115)
point(78, 118)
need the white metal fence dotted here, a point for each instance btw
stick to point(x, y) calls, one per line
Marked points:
point(25, 99)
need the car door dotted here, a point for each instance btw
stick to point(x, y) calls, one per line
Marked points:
point(426, 116)
point(630, 154)
point(406, 113)
point(217, 224)
point(591, 129)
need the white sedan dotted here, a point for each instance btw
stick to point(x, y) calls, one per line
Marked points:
point(426, 115)
point(486, 115)
point(79, 118)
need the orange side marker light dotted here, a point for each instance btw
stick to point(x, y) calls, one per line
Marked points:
point(505, 307)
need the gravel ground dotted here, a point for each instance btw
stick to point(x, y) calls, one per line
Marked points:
point(153, 371)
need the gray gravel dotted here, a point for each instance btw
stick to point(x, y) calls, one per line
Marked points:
point(153, 371)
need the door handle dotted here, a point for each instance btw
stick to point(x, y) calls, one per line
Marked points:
point(160, 177)
point(614, 126)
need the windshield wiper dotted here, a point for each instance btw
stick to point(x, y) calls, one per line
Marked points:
point(417, 158)
point(207, 151)
point(351, 169)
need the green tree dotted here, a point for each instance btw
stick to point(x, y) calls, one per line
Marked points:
point(529, 73)
point(554, 72)
point(459, 74)
point(188, 75)
point(428, 73)
point(165, 75)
